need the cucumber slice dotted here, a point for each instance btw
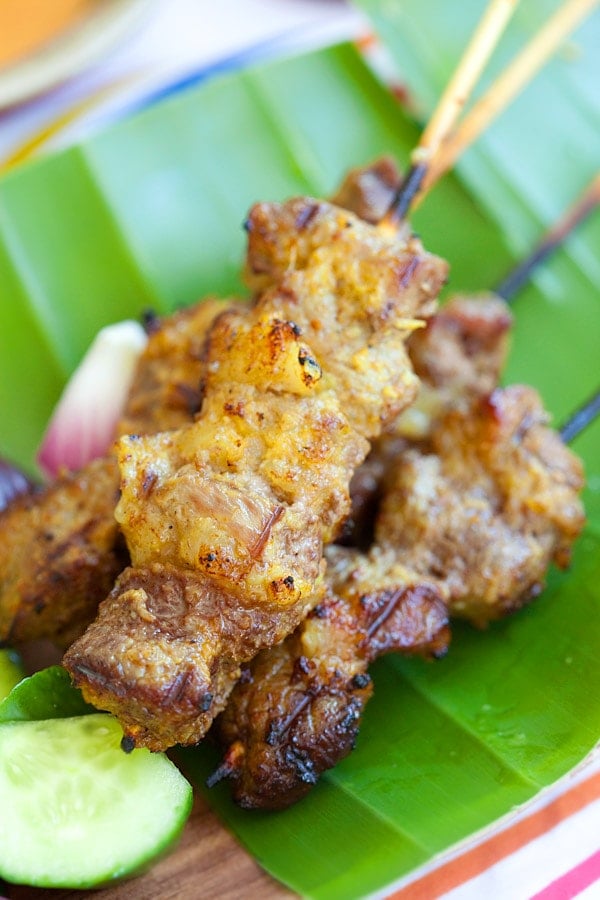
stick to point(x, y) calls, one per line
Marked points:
point(77, 811)
point(11, 672)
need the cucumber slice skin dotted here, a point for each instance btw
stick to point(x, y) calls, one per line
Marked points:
point(11, 672)
point(49, 694)
point(77, 812)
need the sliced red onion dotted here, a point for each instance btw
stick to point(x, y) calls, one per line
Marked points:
point(13, 483)
point(83, 423)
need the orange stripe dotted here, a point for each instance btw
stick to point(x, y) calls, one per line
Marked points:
point(478, 859)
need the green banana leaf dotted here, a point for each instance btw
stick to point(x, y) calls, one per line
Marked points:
point(149, 214)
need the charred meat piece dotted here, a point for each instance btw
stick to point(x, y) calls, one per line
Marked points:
point(58, 550)
point(458, 357)
point(487, 506)
point(297, 709)
point(463, 349)
point(242, 501)
point(369, 190)
point(60, 546)
point(166, 391)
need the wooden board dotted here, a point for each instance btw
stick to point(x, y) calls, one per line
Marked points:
point(207, 863)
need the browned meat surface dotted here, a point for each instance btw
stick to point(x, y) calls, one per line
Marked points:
point(463, 349)
point(458, 356)
point(296, 710)
point(60, 547)
point(58, 550)
point(337, 257)
point(229, 516)
point(487, 506)
point(166, 391)
point(369, 190)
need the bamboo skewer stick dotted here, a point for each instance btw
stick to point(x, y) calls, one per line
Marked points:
point(581, 418)
point(576, 214)
point(467, 73)
point(512, 81)
point(455, 96)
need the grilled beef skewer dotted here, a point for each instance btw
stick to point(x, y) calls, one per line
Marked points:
point(478, 497)
point(458, 356)
point(225, 520)
point(469, 522)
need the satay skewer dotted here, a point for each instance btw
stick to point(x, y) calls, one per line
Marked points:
point(298, 711)
point(474, 60)
point(225, 523)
